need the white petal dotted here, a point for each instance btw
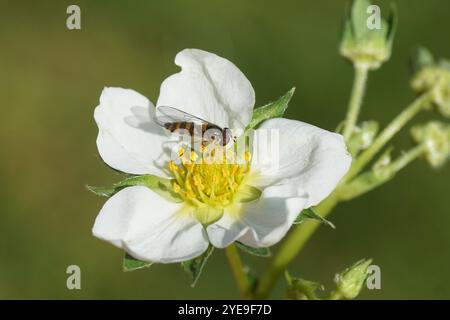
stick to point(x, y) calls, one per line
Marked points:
point(128, 140)
point(211, 88)
point(311, 158)
point(149, 227)
point(260, 223)
point(226, 230)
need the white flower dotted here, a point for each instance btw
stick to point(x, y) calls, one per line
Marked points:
point(152, 228)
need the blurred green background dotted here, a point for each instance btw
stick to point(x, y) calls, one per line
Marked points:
point(51, 79)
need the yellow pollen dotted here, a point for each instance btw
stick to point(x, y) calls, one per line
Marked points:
point(190, 195)
point(176, 187)
point(172, 166)
point(211, 182)
point(247, 156)
point(193, 156)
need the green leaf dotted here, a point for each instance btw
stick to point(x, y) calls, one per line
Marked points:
point(101, 191)
point(159, 185)
point(132, 264)
point(194, 267)
point(260, 252)
point(309, 214)
point(301, 289)
point(274, 109)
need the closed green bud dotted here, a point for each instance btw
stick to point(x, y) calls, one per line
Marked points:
point(434, 77)
point(350, 282)
point(363, 136)
point(435, 137)
point(301, 289)
point(367, 38)
point(379, 167)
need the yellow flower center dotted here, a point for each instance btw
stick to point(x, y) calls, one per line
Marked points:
point(211, 180)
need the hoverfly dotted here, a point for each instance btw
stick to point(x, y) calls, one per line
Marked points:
point(174, 119)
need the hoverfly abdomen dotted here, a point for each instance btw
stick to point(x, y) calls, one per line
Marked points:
point(174, 126)
point(193, 129)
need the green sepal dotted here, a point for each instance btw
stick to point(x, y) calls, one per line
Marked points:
point(273, 109)
point(301, 289)
point(358, 18)
point(260, 252)
point(131, 264)
point(194, 267)
point(161, 186)
point(310, 214)
point(392, 26)
point(422, 58)
point(350, 281)
point(365, 46)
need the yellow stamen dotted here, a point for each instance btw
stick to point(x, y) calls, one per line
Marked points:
point(247, 156)
point(193, 156)
point(176, 187)
point(215, 182)
point(172, 166)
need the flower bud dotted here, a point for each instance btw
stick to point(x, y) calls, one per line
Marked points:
point(434, 77)
point(363, 136)
point(379, 167)
point(350, 282)
point(363, 45)
point(435, 136)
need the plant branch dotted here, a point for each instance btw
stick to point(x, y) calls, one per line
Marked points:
point(356, 97)
point(376, 177)
point(238, 270)
point(387, 134)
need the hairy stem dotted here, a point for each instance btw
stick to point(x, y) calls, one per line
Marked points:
point(356, 97)
point(387, 134)
point(408, 157)
point(291, 247)
point(376, 177)
point(238, 270)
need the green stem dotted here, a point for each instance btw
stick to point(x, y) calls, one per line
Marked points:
point(356, 97)
point(386, 135)
point(376, 177)
point(238, 270)
point(291, 247)
point(408, 157)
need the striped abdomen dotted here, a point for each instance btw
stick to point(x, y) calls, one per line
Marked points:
point(191, 127)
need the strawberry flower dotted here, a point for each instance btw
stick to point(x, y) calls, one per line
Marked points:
point(251, 201)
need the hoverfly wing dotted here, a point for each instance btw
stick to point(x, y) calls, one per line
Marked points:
point(165, 115)
point(174, 119)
